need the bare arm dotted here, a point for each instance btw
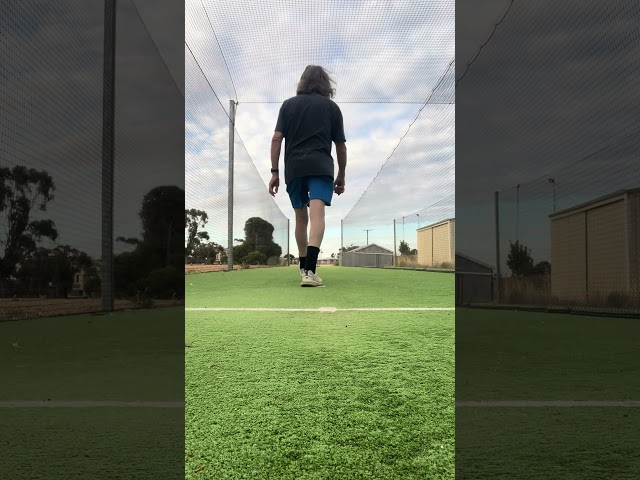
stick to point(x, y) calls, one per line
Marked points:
point(276, 146)
point(341, 152)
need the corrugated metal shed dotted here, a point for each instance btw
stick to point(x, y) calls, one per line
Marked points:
point(371, 255)
point(436, 243)
point(595, 248)
point(474, 281)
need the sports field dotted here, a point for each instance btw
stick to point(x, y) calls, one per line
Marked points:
point(560, 396)
point(62, 383)
point(291, 394)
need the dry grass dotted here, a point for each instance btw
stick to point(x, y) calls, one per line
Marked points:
point(533, 290)
point(536, 290)
point(411, 261)
point(202, 268)
point(23, 308)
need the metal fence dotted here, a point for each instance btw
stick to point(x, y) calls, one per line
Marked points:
point(91, 182)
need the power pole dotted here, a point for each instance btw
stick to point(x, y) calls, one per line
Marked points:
point(395, 248)
point(369, 230)
point(497, 220)
point(108, 119)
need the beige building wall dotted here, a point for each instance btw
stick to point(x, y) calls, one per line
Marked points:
point(607, 267)
point(436, 243)
point(568, 253)
point(595, 250)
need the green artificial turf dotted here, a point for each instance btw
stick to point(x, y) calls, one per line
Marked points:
point(291, 395)
point(537, 444)
point(126, 356)
point(508, 355)
point(134, 355)
point(344, 288)
point(91, 443)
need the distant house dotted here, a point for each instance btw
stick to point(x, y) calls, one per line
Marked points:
point(371, 255)
point(475, 281)
point(78, 288)
point(595, 248)
point(436, 243)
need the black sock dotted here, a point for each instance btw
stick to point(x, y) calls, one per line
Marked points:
point(303, 263)
point(312, 258)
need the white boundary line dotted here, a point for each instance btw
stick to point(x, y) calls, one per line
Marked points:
point(324, 309)
point(86, 404)
point(549, 404)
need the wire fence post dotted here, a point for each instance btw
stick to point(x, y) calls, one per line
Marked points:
point(232, 122)
point(395, 245)
point(108, 107)
point(341, 241)
point(497, 220)
point(288, 241)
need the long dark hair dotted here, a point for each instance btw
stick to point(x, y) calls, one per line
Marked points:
point(315, 79)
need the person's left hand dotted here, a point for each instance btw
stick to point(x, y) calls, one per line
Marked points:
point(274, 184)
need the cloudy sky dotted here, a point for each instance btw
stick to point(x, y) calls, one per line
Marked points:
point(52, 109)
point(551, 96)
point(393, 52)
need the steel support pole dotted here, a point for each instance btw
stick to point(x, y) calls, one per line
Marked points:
point(498, 269)
point(108, 114)
point(395, 246)
point(232, 122)
point(341, 241)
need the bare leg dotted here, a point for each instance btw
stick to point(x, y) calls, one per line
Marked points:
point(316, 232)
point(302, 221)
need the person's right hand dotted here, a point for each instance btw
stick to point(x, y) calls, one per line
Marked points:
point(338, 185)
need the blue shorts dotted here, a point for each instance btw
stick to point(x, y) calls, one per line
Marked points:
point(304, 189)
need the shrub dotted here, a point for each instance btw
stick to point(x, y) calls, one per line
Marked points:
point(165, 282)
point(255, 258)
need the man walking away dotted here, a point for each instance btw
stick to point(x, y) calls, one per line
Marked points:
point(309, 122)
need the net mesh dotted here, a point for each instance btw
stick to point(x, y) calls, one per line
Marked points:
point(51, 154)
point(381, 52)
point(562, 134)
point(415, 187)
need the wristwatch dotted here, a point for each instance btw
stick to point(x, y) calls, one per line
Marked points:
point(275, 170)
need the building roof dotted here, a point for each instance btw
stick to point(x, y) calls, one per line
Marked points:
point(473, 260)
point(591, 203)
point(437, 223)
point(357, 250)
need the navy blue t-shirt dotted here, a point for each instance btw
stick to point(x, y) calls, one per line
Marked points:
point(309, 123)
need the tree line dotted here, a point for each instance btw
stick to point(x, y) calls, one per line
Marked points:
point(28, 268)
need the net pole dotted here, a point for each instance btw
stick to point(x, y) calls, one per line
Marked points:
point(395, 246)
point(341, 240)
point(232, 121)
point(108, 114)
point(497, 220)
point(288, 241)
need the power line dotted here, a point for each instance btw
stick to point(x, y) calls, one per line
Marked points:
point(495, 27)
point(155, 45)
point(221, 52)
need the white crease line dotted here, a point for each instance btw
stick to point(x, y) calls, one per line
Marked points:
point(86, 404)
point(323, 309)
point(549, 404)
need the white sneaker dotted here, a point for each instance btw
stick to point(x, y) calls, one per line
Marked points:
point(310, 279)
point(303, 272)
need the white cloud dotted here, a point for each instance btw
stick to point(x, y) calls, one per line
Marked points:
point(376, 51)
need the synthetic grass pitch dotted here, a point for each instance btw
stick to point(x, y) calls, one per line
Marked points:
point(508, 355)
point(296, 395)
point(127, 356)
